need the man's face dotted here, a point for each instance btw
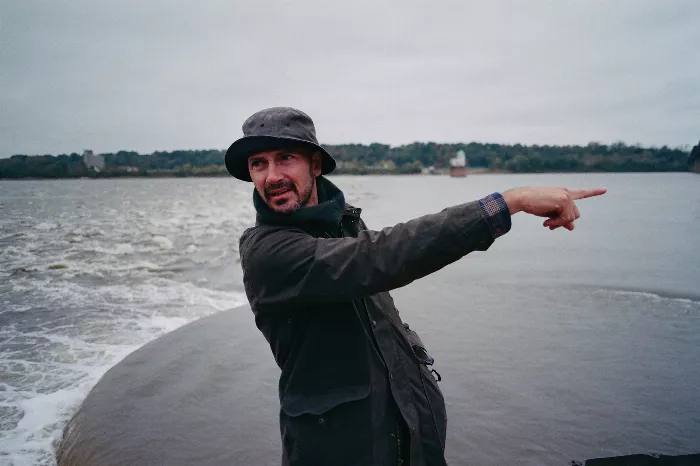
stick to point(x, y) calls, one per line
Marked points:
point(285, 179)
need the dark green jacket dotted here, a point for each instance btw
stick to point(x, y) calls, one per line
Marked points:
point(318, 282)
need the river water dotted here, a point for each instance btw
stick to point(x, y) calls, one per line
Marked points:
point(552, 346)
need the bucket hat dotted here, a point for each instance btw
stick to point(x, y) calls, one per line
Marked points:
point(270, 129)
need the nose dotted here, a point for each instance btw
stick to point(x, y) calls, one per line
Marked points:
point(274, 174)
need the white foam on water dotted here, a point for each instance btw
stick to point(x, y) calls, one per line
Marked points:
point(46, 226)
point(45, 410)
point(143, 265)
point(57, 362)
point(86, 354)
point(162, 242)
point(76, 239)
point(124, 248)
point(33, 439)
point(648, 296)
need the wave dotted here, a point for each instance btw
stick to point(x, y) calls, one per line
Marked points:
point(654, 295)
point(49, 367)
point(46, 226)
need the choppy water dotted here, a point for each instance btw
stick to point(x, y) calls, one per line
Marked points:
point(552, 345)
point(90, 271)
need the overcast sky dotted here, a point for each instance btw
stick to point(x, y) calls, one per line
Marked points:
point(146, 75)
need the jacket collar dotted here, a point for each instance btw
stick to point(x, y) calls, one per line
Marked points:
point(326, 215)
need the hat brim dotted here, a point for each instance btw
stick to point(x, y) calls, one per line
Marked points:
point(238, 153)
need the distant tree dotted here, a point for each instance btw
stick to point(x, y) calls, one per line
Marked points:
point(694, 159)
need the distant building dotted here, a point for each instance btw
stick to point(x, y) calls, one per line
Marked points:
point(93, 161)
point(458, 164)
point(387, 165)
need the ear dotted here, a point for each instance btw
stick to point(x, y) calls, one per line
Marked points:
point(316, 163)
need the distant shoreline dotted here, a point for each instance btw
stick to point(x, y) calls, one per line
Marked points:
point(373, 159)
point(334, 175)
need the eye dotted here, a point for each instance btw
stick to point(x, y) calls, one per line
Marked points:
point(287, 156)
point(255, 164)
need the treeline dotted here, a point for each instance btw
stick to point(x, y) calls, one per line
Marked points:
point(43, 166)
point(122, 163)
point(594, 157)
point(373, 158)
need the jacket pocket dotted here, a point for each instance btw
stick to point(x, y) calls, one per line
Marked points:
point(418, 347)
point(333, 428)
point(296, 404)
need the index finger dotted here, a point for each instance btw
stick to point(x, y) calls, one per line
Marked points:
point(584, 193)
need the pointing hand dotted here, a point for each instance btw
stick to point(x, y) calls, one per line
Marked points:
point(555, 203)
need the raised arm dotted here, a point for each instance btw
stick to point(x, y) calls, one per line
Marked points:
point(290, 266)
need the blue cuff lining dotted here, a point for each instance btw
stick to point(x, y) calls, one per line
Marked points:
point(497, 214)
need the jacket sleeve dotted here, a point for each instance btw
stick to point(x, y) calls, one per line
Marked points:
point(292, 267)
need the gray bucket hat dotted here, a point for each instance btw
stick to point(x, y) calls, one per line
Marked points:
point(274, 128)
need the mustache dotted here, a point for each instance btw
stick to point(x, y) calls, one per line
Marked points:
point(282, 185)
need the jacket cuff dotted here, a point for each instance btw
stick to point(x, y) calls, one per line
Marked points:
point(496, 213)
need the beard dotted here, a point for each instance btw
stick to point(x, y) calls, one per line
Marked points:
point(303, 195)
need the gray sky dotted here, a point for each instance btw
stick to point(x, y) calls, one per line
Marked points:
point(147, 75)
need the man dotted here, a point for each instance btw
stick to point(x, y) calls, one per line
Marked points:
point(355, 387)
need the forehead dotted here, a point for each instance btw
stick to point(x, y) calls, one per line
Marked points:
point(275, 153)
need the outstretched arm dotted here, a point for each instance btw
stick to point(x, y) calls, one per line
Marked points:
point(289, 266)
